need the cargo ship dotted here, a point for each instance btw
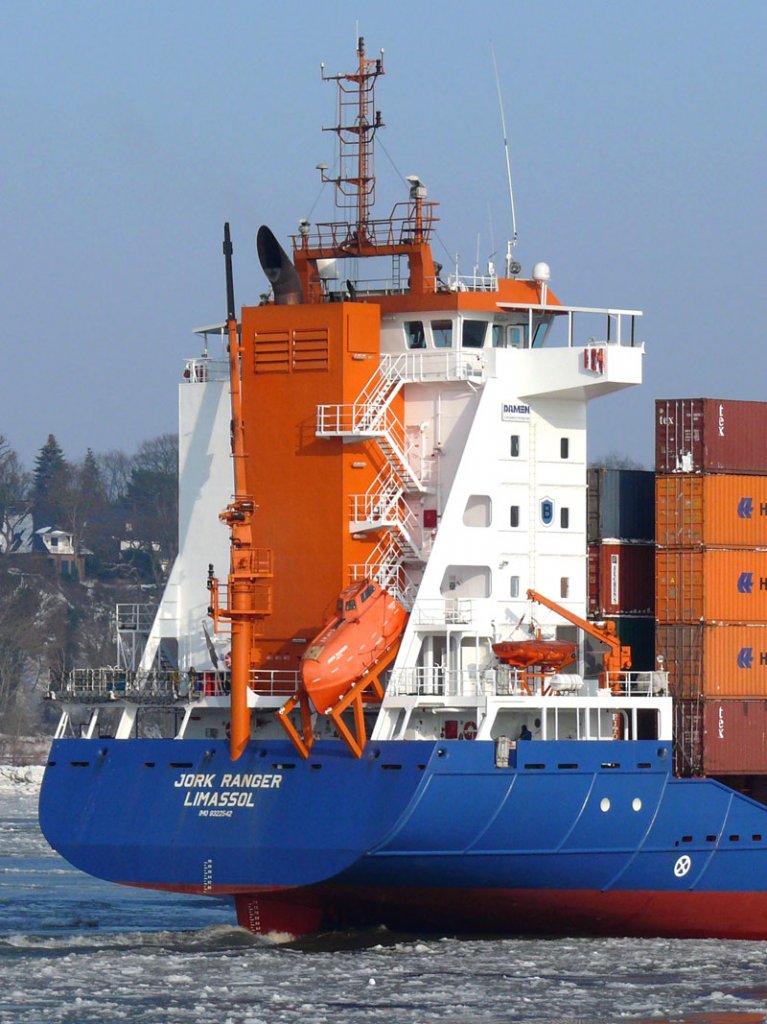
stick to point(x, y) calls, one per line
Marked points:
point(372, 692)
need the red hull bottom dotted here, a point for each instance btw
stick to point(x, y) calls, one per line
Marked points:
point(550, 912)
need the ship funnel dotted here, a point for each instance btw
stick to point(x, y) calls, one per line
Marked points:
point(279, 269)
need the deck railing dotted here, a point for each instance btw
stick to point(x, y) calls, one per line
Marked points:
point(158, 687)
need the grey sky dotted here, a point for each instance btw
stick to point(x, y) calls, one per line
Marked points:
point(132, 130)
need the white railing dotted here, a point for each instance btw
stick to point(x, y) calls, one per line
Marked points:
point(504, 681)
point(122, 684)
point(619, 324)
point(135, 618)
point(436, 681)
point(447, 364)
point(198, 371)
point(638, 684)
point(444, 612)
point(383, 506)
point(275, 682)
point(114, 684)
point(385, 567)
point(475, 282)
point(357, 420)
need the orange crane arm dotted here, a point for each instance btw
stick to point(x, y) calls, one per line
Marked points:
point(617, 658)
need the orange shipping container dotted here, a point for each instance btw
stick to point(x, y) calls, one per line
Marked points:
point(711, 585)
point(694, 510)
point(708, 660)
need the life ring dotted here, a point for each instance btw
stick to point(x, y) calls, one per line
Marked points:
point(470, 731)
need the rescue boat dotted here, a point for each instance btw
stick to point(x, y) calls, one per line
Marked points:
point(549, 655)
point(367, 624)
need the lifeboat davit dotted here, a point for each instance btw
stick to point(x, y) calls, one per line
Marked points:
point(367, 624)
point(550, 655)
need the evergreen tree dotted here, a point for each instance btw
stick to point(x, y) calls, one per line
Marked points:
point(90, 479)
point(92, 519)
point(51, 479)
point(151, 505)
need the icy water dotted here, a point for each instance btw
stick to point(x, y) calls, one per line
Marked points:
point(77, 951)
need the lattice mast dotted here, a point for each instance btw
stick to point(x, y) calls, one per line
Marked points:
point(358, 121)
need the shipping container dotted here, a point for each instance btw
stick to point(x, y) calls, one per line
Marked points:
point(620, 504)
point(634, 631)
point(710, 435)
point(713, 660)
point(621, 579)
point(711, 585)
point(735, 737)
point(638, 633)
point(696, 510)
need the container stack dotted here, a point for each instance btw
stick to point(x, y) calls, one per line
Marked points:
point(711, 580)
point(621, 532)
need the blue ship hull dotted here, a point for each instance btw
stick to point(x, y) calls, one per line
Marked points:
point(571, 837)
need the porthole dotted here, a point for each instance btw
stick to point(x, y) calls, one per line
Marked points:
point(636, 804)
point(604, 804)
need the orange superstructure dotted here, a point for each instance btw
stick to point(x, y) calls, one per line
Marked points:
point(294, 359)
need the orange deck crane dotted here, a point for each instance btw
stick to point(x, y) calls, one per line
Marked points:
point(617, 658)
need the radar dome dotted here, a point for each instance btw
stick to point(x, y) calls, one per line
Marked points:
point(541, 272)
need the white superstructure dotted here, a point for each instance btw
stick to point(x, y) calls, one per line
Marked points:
point(205, 487)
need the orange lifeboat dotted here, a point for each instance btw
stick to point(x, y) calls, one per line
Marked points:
point(550, 655)
point(367, 624)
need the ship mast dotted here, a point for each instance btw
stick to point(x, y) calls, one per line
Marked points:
point(405, 233)
point(249, 595)
point(358, 122)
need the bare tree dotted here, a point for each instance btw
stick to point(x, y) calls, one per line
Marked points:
point(616, 460)
point(15, 504)
point(159, 455)
point(115, 470)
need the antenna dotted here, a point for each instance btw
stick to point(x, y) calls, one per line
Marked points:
point(513, 241)
point(358, 122)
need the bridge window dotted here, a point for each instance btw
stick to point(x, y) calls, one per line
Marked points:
point(473, 333)
point(518, 336)
point(509, 336)
point(442, 333)
point(539, 336)
point(416, 336)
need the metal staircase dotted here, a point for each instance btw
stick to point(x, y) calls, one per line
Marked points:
point(370, 418)
point(384, 507)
